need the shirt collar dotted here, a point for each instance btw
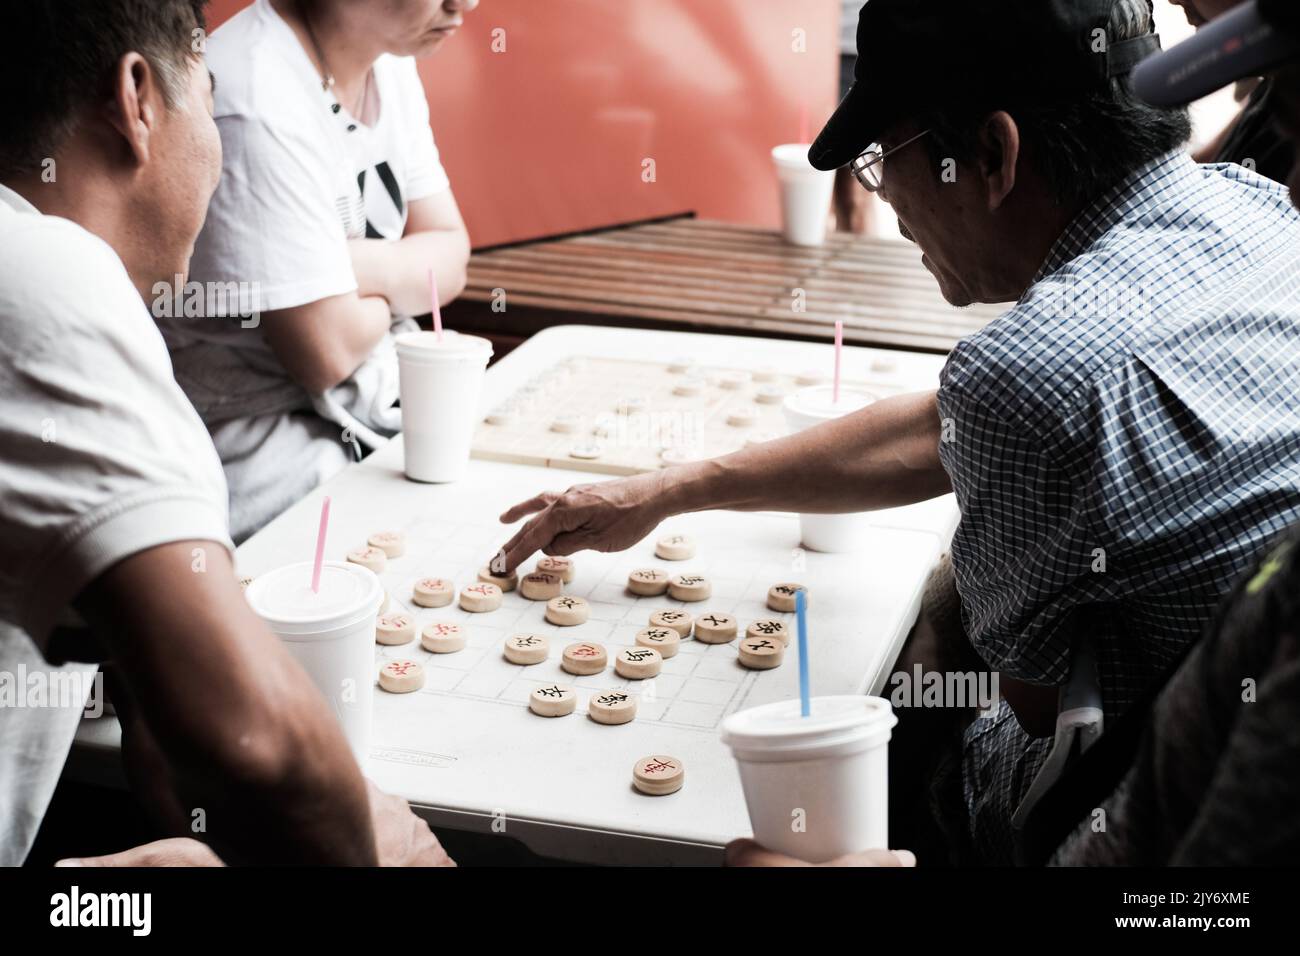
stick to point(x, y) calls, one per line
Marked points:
point(1135, 191)
point(16, 202)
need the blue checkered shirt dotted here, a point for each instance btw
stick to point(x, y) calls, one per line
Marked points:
point(1122, 444)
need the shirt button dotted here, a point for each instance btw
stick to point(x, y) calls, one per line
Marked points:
point(336, 107)
point(352, 127)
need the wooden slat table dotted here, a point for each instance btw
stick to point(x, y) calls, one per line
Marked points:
point(693, 274)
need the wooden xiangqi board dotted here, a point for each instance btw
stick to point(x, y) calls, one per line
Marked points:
point(624, 417)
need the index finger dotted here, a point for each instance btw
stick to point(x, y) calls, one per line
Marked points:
point(528, 507)
point(533, 537)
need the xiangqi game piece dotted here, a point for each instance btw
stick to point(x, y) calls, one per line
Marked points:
point(567, 611)
point(675, 547)
point(715, 628)
point(584, 659)
point(761, 653)
point(663, 639)
point(552, 700)
point(401, 677)
point(780, 597)
point(392, 543)
point(526, 649)
point(432, 592)
point(480, 598)
point(648, 582)
point(638, 663)
point(658, 776)
point(442, 637)
point(369, 557)
point(395, 628)
point(689, 587)
point(679, 621)
point(611, 707)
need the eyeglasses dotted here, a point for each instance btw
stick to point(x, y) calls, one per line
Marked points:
point(869, 168)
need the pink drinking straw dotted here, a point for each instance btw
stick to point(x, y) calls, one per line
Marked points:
point(320, 544)
point(839, 349)
point(437, 310)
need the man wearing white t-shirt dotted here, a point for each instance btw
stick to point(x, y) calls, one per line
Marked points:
point(332, 208)
point(113, 537)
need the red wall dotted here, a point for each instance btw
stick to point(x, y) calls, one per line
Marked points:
point(549, 136)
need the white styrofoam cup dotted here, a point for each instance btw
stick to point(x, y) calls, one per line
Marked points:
point(441, 382)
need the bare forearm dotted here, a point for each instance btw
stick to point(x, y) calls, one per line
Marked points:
point(248, 740)
point(881, 457)
point(399, 270)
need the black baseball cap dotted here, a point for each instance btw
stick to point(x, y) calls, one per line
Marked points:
point(1249, 40)
point(919, 55)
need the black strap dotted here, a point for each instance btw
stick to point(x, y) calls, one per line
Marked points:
point(1123, 56)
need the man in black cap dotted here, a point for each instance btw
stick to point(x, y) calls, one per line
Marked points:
point(1207, 775)
point(1118, 441)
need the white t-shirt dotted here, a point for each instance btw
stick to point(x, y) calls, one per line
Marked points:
point(301, 176)
point(103, 458)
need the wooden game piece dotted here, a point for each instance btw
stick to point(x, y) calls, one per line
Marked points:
point(675, 547)
point(480, 598)
point(442, 637)
point(584, 659)
point(394, 629)
point(566, 424)
point(369, 557)
point(883, 364)
point(506, 582)
point(392, 543)
point(769, 628)
point(743, 417)
point(681, 364)
point(631, 405)
point(432, 592)
point(809, 377)
point(689, 387)
point(658, 776)
point(503, 416)
point(567, 610)
point(761, 653)
point(611, 707)
point(765, 373)
point(679, 621)
point(663, 639)
point(552, 700)
point(401, 677)
point(715, 628)
point(769, 395)
point(540, 586)
point(689, 587)
point(648, 582)
point(780, 597)
point(587, 451)
point(679, 456)
point(638, 663)
point(527, 649)
point(732, 380)
point(560, 566)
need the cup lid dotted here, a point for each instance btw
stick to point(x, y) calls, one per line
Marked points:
point(425, 344)
point(818, 401)
point(284, 598)
point(780, 727)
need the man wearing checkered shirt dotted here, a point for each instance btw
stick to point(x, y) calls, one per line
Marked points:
point(1122, 442)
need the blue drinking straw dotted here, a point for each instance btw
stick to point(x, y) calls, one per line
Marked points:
point(800, 610)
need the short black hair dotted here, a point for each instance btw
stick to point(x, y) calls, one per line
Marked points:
point(57, 58)
point(1084, 145)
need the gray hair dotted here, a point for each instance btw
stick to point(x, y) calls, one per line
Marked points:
point(1085, 145)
